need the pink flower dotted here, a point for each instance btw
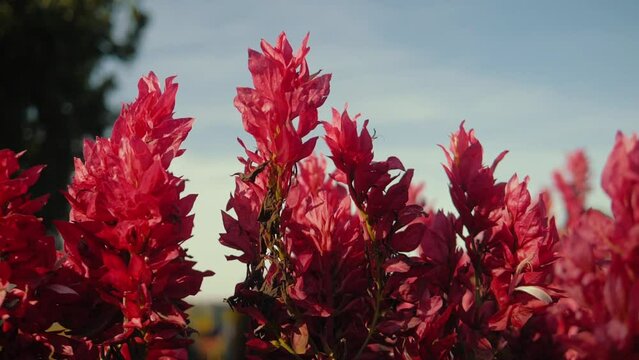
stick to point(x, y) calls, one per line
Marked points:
point(510, 243)
point(326, 244)
point(522, 267)
point(599, 271)
point(473, 190)
point(279, 112)
point(620, 180)
point(392, 228)
point(128, 223)
point(284, 90)
point(381, 200)
point(27, 259)
point(574, 189)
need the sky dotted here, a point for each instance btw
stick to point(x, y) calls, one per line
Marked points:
point(536, 78)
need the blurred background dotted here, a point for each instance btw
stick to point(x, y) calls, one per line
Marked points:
point(537, 78)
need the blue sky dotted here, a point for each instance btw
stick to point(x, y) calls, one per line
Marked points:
point(537, 78)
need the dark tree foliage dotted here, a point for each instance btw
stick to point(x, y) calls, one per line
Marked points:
point(51, 96)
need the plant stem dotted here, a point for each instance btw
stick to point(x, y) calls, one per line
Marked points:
point(379, 284)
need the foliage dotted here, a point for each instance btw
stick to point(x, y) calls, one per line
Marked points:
point(346, 263)
point(118, 287)
point(349, 264)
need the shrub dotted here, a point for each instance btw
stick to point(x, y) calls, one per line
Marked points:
point(349, 264)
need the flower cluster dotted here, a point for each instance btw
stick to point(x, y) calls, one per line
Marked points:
point(576, 187)
point(317, 271)
point(380, 192)
point(599, 319)
point(351, 265)
point(493, 289)
point(343, 259)
point(117, 290)
point(127, 224)
point(280, 111)
point(326, 246)
point(27, 259)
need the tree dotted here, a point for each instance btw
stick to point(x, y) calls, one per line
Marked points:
point(51, 94)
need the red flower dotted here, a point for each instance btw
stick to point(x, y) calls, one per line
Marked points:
point(522, 268)
point(349, 150)
point(600, 319)
point(620, 180)
point(472, 185)
point(510, 243)
point(279, 112)
point(326, 245)
point(128, 222)
point(382, 201)
point(284, 90)
point(243, 233)
point(27, 259)
point(398, 293)
point(576, 187)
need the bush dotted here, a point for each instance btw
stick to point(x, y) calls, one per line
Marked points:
point(347, 263)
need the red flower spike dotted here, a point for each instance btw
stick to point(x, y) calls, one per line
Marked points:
point(472, 185)
point(326, 244)
point(349, 150)
point(620, 180)
point(284, 90)
point(128, 221)
point(392, 227)
point(27, 261)
point(521, 283)
point(372, 187)
point(279, 112)
point(243, 234)
point(575, 188)
point(511, 248)
point(599, 271)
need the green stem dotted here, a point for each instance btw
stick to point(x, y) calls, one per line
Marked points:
point(379, 284)
point(288, 348)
